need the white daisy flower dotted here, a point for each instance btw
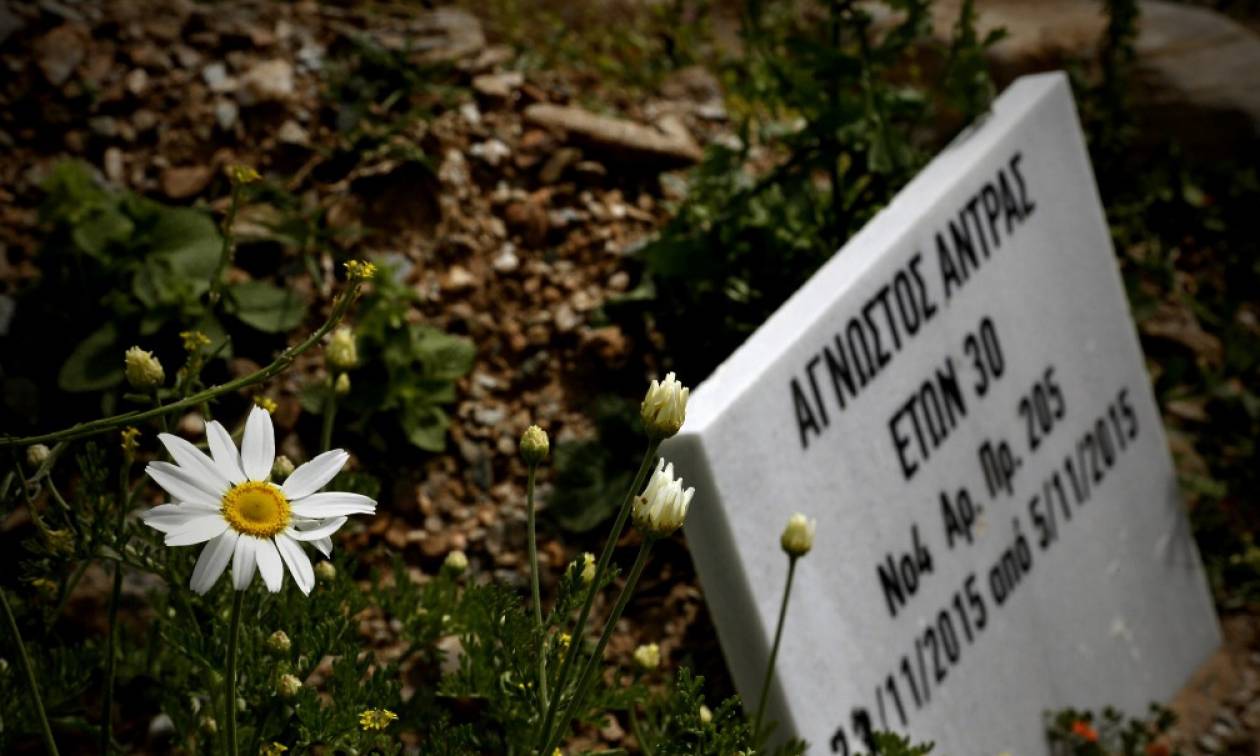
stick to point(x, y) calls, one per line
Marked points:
point(228, 500)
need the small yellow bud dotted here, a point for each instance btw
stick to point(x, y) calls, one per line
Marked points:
point(194, 341)
point(664, 408)
point(144, 371)
point(129, 443)
point(242, 174)
point(266, 403)
point(706, 715)
point(588, 567)
point(798, 536)
point(279, 643)
point(534, 445)
point(342, 385)
point(455, 562)
point(60, 541)
point(282, 467)
point(376, 719)
point(325, 571)
point(288, 686)
point(272, 749)
point(564, 640)
point(360, 270)
point(648, 656)
point(342, 353)
point(662, 507)
point(37, 454)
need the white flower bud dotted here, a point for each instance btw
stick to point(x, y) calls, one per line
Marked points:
point(143, 370)
point(282, 467)
point(662, 507)
point(706, 714)
point(798, 536)
point(279, 643)
point(534, 445)
point(456, 562)
point(37, 454)
point(664, 408)
point(325, 571)
point(648, 656)
point(342, 353)
point(288, 686)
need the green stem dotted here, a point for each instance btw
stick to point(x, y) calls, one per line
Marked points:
point(534, 579)
point(587, 677)
point(225, 251)
point(774, 651)
point(330, 416)
point(285, 359)
point(111, 652)
point(50, 745)
point(638, 733)
point(544, 733)
point(234, 632)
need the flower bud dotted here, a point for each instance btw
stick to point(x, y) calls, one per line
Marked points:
point(706, 714)
point(288, 686)
point(37, 454)
point(664, 408)
point(4, 667)
point(325, 571)
point(360, 270)
point(208, 726)
point(534, 445)
point(129, 436)
point(60, 541)
point(798, 536)
point(456, 562)
point(272, 749)
point(279, 643)
point(240, 174)
point(662, 507)
point(342, 352)
point(143, 370)
point(266, 403)
point(588, 567)
point(563, 640)
point(194, 341)
point(282, 467)
point(342, 385)
point(648, 656)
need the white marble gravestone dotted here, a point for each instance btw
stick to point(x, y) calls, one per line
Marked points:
point(959, 398)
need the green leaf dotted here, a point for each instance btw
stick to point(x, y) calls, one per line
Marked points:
point(266, 307)
point(95, 364)
point(445, 357)
point(425, 426)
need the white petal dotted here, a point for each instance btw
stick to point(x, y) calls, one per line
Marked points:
point(315, 474)
point(168, 517)
point(197, 530)
point(244, 561)
point(192, 461)
point(298, 562)
point(322, 530)
point(324, 545)
point(181, 485)
point(213, 560)
point(258, 447)
point(333, 504)
point(226, 458)
point(269, 564)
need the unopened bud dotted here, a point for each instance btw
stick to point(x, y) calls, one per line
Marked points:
point(588, 567)
point(342, 385)
point(144, 371)
point(648, 656)
point(456, 562)
point(706, 715)
point(241, 174)
point(266, 403)
point(288, 686)
point(534, 445)
point(360, 270)
point(798, 536)
point(208, 726)
point(282, 467)
point(325, 571)
point(342, 352)
point(37, 454)
point(664, 408)
point(60, 541)
point(129, 436)
point(279, 643)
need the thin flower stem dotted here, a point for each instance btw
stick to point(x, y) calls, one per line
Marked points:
point(50, 745)
point(644, 746)
point(534, 579)
point(774, 650)
point(225, 251)
point(544, 733)
point(111, 650)
point(330, 416)
point(587, 677)
point(133, 418)
point(234, 632)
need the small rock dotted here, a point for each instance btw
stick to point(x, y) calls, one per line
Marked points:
point(499, 85)
point(470, 113)
point(489, 415)
point(506, 261)
point(137, 81)
point(555, 166)
point(182, 182)
point(566, 319)
point(631, 140)
point(291, 132)
point(452, 654)
point(103, 126)
point(528, 218)
point(60, 51)
point(492, 151)
point(114, 165)
point(144, 119)
point(1208, 743)
point(269, 81)
point(216, 77)
point(226, 113)
point(458, 279)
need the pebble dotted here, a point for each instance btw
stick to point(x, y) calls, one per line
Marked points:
point(491, 151)
point(489, 415)
point(458, 279)
point(114, 165)
point(216, 77)
point(225, 113)
point(269, 81)
point(506, 261)
point(1208, 743)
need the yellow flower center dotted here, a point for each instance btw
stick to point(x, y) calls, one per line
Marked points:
point(256, 508)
